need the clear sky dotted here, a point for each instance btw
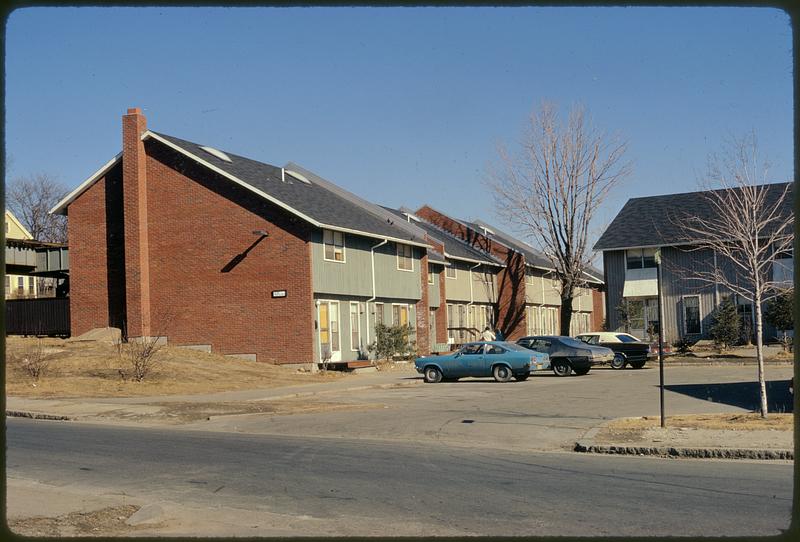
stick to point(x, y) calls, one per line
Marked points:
point(402, 106)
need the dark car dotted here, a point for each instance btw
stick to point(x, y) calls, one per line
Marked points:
point(499, 359)
point(568, 355)
point(628, 350)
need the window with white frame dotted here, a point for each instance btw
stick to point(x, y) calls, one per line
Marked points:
point(405, 259)
point(355, 328)
point(450, 271)
point(691, 315)
point(450, 321)
point(378, 313)
point(640, 258)
point(400, 315)
point(334, 245)
point(528, 277)
point(430, 274)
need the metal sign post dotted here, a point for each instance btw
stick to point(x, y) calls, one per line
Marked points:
point(660, 338)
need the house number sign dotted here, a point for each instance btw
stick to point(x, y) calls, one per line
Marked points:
point(278, 293)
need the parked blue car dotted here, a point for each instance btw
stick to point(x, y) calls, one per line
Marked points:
point(499, 359)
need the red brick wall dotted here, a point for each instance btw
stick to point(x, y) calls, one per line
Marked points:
point(441, 311)
point(200, 225)
point(422, 308)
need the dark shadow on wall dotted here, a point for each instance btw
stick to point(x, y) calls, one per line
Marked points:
point(740, 394)
point(236, 260)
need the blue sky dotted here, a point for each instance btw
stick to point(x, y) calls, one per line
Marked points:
point(403, 106)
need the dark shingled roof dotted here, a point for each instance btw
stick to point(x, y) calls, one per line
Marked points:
point(532, 256)
point(453, 246)
point(655, 220)
point(321, 200)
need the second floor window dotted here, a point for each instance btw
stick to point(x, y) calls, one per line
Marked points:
point(450, 271)
point(430, 274)
point(334, 245)
point(405, 260)
point(640, 258)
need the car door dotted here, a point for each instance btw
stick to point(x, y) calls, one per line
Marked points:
point(472, 360)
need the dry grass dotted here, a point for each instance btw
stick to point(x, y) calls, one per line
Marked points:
point(91, 369)
point(736, 422)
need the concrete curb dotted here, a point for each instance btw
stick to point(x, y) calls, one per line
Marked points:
point(35, 415)
point(671, 451)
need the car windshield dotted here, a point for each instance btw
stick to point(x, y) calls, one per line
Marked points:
point(627, 338)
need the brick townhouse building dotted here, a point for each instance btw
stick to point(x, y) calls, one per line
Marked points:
point(216, 251)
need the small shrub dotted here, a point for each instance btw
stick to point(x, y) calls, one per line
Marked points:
point(682, 345)
point(725, 325)
point(34, 360)
point(139, 355)
point(780, 314)
point(392, 341)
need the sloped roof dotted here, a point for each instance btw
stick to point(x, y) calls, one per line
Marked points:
point(319, 201)
point(454, 247)
point(655, 220)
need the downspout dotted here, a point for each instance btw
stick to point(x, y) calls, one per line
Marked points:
point(471, 297)
point(371, 299)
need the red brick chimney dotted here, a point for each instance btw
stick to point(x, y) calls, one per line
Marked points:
point(134, 186)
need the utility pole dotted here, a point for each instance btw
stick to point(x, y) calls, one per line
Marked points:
point(660, 338)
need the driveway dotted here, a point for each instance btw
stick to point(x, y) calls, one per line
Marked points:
point(543, 413)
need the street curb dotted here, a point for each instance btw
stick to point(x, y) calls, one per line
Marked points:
point(35, 415)
point(671, 451)
point(327, 392)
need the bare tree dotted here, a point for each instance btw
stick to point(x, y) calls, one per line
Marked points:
point(551, 189)
point(750, 225)
point(30, 198)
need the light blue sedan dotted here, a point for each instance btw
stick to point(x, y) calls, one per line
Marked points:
point(499, 359)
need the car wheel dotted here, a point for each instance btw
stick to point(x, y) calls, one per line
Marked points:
point(561, 367)
point(618, 362)
point(638, 364)
point(501, 373)
point(522, 377)
point(581, 372)
point(433, 375)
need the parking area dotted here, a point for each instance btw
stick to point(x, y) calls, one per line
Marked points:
point(545, 412)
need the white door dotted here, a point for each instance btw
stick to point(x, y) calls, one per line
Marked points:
point(329, 338)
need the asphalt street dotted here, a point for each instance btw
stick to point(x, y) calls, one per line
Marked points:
point(318, 486)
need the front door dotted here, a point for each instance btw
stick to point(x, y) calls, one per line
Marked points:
point(329, 338)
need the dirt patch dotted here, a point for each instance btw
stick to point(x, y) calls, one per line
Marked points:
point(395, 366)
point(95, 369)
point(636, 429)
point(172, 412)
point(108, 521)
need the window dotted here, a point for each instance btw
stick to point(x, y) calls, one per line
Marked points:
point(472, 349)
point(450, 322)
point(640, 258)
point(8, 283)
point(355, 328)
point(20, 285)
point(430, 274)
point(528, 277)
point(378, 313)
point(334, 245)
point(30, 285)
point(405, 260)
point(450, 271)
point(691, 312)
point(494, 349)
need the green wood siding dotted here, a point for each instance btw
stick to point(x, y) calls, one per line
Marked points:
point(353, 277)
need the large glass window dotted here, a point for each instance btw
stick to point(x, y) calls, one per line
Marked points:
point(691, 312)
point(334, 245)
point(405, 260)
point(355, 328)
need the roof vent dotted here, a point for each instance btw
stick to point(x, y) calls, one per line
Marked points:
point(218, 153)
point(412, 216)
point(298, 176)
point(486, 231)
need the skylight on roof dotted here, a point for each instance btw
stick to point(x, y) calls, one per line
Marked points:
point(218, 153)
point(298, 176)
